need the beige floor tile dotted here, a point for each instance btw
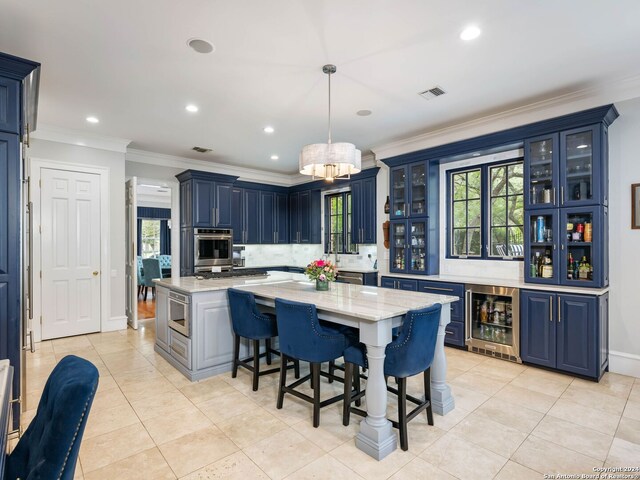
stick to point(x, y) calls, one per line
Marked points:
point(418, 469)
point(220, 408)
point(510, 414)
point(609, 384)
point(132, 377)
point(493, 436)
point(550, 386)
point(108, 399)
point(451, 419)
point(632, 410)
point(98, 452)
point(161, 404)
point(332, 432)
point(634, 395)
point(463, 459)
point(251, 427)
point(63, 345)
point(104, 420)
point(141, 390)
point(574, 437)
point(236, 466)
point(479, 382)
point(624, 454)
point(368, 467)
point(499, 368)
point(629, 430)
point(120, 362)
point(453, 372)
point(106, 382)
point(196, 450)
point(515, 471)
point(464, 363)
point(178, 379)
point(146, 465)
point(283, 453)
point(587, 417)
point(531, 399)
point(547, 457)
point(594, 398)
point(176, 424)
point(199, 392)
point(468, 399)
point(324, 468)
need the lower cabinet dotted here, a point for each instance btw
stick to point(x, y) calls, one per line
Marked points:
point(213, 334)
point(566, 332)
point(162, 318)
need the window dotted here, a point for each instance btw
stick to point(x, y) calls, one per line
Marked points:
point(338, 224)
point(487, 212)
point(150, 238)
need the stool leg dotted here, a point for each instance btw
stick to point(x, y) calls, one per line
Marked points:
point(256, 364)
point(346, 407)
point(236, 355)
point(296, 368)
point(356, 381)
point(427, 394)
point(283, 379)
point(315, 380)
point(332, 368)
point(402, 412)
point(268, 350)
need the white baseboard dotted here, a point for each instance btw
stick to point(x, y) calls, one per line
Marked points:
point(624, 363)
point(115, 323)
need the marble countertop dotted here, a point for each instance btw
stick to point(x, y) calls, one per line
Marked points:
point(502, 282)
point(368, 303)
point(191, 285)
point(340, 268)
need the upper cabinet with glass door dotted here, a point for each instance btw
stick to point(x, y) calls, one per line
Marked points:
point(409, 190)
point(541, 172)
point(581, 182)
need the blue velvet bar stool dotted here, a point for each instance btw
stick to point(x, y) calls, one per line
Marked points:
point(409, 354)
point(49, 447)
point(302, 337)
point(249, 322)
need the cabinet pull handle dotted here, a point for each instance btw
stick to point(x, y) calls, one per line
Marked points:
point(559, 310)
point(550, 308)
point(438, 288)
point(448, 332)
point(562, 195)
point(553, 192)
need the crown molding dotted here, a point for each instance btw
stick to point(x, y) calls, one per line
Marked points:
point(80, 138)
point(247, 174)
point(617, 91)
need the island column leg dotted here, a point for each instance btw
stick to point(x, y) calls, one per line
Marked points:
point(376, 436)
point(441, 399)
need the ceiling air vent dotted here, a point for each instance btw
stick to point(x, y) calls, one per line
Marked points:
point(201, 149)
point(432, 93)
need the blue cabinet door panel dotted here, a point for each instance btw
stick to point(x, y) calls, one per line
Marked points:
point(454, 334)
point(570, 173)
point(408, 284)
point(443, 288)
point(186, 203)
point(267, 219)
point(541, 171)
point(252, 216)
point(294, 217)
point(368, 209)
point(282, 218)
point(237, 215)
point(305, 220)
point(538, 329)
point(223, 205)
point(357, 201)
point(9, 105)
point(315, 216)
point(203, 203)
point(388, 282)
point(577, 335)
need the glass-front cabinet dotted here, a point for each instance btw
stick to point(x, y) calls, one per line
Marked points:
point(418, 193)
point(399, 192)
point(580, 167)
point(408, 244)
point(541, 254)
point(409, 191)
point(398, 244)
point(541, 171)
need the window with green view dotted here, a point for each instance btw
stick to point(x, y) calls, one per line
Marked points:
point(506, 237)
point(466, 213)
point(338, 223)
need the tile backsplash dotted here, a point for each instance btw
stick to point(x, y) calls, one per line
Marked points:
point(301, 255)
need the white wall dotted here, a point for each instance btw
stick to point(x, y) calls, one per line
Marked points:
point(624, 269)
point(114, 161)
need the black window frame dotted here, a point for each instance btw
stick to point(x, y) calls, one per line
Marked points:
point(347, 223)
point(485, 210)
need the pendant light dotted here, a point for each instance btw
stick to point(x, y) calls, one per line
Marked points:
point(330, 160)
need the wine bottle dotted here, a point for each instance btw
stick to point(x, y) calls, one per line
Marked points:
point(570, 267)
point(533, 267)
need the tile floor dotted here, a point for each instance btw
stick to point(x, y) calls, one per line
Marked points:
point(510, 422)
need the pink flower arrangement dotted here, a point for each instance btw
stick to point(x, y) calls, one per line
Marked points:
point(322, 270)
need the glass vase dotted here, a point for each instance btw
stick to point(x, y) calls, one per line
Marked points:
point(322, 286)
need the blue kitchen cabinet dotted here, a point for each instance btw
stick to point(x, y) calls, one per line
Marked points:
point(186, 204)
point(583, 180)
point(9, 105)
point(541, 239)
point(305, 216)
point(294, 217)
point(282, 217)
point(388, 282)
point(409, 190)
point(304, 223)
point(538, 328)
point(409, 244)
point(542, 171)
point(454, 331)
point(565, 332)
point(267, 217)
point(206, 199)
point(223, 205)
point(237, 215)
point(399, 193)
point(203, 201)
point(407, 284)
point(251, 216)
point(363, 211)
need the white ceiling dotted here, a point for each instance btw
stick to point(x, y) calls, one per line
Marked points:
point(127, 63)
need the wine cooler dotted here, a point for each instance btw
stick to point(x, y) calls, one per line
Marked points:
point(493, 321)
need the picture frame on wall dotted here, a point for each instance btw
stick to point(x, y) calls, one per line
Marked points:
point(635, 206)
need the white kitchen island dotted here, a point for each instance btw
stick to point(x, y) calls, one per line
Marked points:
point(374, 311)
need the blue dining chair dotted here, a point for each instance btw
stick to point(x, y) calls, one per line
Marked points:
point(302, 337)
point(140, 276)
point(50, 445)
point(408, 354)
point(249, 322)
point(152, 270)
point(165, 261)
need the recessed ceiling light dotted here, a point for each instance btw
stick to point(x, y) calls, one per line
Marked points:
point(582, 146)
point(470, 33)
point(363, 113)
point(268, 129)
point(191, 108)
point(200, 45)
point(93, 120)
point(274, 157)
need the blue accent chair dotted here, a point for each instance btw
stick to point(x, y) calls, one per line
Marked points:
point(248, 322)
point(165, 261)
point(409, 354)
point(140, 276)
point(49, 448)
point(151, 270)
point(302, 337)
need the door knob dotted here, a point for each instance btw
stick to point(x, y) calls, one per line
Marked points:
point(95, 273)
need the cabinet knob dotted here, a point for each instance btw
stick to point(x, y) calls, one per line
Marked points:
point(95, 273)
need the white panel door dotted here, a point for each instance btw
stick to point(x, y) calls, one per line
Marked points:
point(132, 252)
point(70, 244)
